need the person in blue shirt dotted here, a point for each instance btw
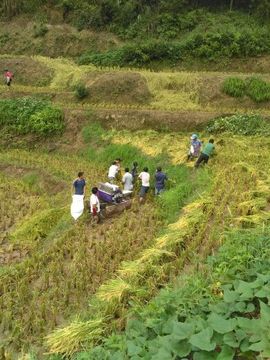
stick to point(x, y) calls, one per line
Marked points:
point(79, 184)
point(160, 178)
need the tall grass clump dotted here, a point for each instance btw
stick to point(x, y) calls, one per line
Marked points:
point(258, 90)
point(240, 124)
point(234, 86)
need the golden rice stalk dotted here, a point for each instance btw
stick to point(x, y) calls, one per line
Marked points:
point(253, 220)
point(130, 269)
point(252, 206)
point(115, 289)
point(153, 254)
point(74, 337)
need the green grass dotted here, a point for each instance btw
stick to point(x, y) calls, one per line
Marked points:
point(234, 86)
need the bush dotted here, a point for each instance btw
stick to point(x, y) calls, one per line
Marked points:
point(30, 115)
point(81, 91)
point(258, 89)
point(234, 87)
point(40, 30)
point(240, 124)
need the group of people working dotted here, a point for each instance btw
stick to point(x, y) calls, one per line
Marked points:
point(130, 178)
point(195, 151)
point(129, 181)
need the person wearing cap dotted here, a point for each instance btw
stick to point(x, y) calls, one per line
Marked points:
point(195, 147)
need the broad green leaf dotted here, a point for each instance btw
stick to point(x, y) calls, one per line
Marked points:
point(163, 354)
point(259, 346)
point(244, 346)
point(183, 330)
point(238, 307)
point(168, 326)
point(227, 353)
point(202, 340)
point(262, 293)
point(181, 348)
point(202, 355)
point(221, 325)
point(265, 313)
point(245, 289)
point(231, 340)
point(230, 296)
point(132, 348)
point(250, 307)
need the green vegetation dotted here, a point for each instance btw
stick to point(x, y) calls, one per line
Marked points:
point(30, 115)
point(240, 124)
point(234, 86)
point(220, 312)
point(81, 91)
point(257, 89)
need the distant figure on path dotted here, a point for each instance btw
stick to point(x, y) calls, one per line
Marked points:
point(8, 77)
point(160, 178)
point(206, 153)
point(145, 178)
point(127, 180)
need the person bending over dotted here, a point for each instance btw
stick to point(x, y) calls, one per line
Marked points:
point(206, 153)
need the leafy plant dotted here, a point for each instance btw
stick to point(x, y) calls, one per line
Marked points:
point(81, 91)
point(30, 115)
point(234, 87)
point(240, 124)
point(258, 89)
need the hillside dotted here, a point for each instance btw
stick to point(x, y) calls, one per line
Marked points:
point(184, 275)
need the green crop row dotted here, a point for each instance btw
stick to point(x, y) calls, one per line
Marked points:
point(257, 89)
point(30, 115)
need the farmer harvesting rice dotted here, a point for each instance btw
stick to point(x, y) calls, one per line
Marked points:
point(160, 178)
point(206, 153)
point(134, 172)
point(78, 186)
point(145, 178)
point(195, 147)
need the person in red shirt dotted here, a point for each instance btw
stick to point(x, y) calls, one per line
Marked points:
point(8, 77)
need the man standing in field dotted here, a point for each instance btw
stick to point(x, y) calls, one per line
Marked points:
point(145, 178)
point(8, 77)
point(195, 147)
point(78, 187)
point(127, 180)
point(206, 153)
point(79, 184)
point(160, 178)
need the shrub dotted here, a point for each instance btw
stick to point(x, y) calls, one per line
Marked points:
point(258, 89)
point(240, 124)
point(40, 30)
point(81, 91)
point(234, 87)
point(30, 115)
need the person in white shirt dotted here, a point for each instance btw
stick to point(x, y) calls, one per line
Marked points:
point(145, 178)
point(95, 204)
point(113, 170)
point(127, 180)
